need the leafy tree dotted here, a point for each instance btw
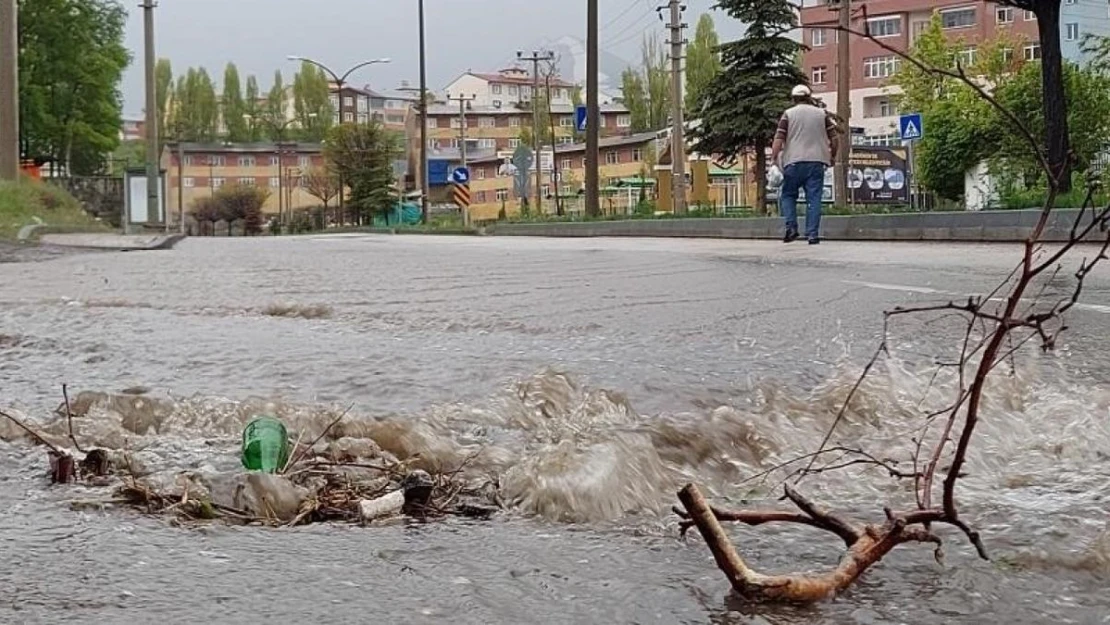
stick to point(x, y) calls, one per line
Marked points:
point(275, 107)
point(240, 202)
point(128, 154)
point(657, 79)
point(206, 211)
point(72, 59)
point(634, 94)
point(163, 90)
point(742, 105)
point(253, 106)
point(312, 102)
point(197, 108)
point(322, 184)
point(233, 107)
point(703, 62)
point(1055, 103)
point(363, 155)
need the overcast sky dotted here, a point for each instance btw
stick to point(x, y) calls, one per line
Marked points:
point(462, 34)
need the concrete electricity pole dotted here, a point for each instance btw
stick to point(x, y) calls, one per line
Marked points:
point(678, 128)
point(593, 113)
point(464, 102)
point(843, 103)
point(536, 144)
point(9, 90)
point(153, 210)
point(423, 118)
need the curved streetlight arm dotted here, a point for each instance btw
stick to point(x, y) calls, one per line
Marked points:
point(339, 80)
point(320, 65)
point(360, 66)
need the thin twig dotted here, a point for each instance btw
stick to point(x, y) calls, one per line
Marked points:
point(35, 435)
point(300, 453)
point(69, 419)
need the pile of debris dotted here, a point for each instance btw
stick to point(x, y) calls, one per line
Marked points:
point(339, 480)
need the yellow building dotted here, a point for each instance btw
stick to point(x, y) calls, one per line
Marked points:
point(195, 170)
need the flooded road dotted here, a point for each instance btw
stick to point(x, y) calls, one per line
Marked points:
point(595, 376)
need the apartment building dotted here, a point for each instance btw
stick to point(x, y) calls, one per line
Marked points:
point(621, 159)
point(500, 128)
point(509, 87)
point(898, 23)
point(280, 168)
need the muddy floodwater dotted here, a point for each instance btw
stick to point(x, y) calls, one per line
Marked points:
point(589, 379)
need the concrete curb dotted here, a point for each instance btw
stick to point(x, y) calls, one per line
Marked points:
point(117, 242)
point(974, 226)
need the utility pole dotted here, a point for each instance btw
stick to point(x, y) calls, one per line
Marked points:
point(9, 90)
point(153, 210)
point(464, 104)
point(593, 114)
point(678, 127)
point(423, 119)
point(843, 103)
point(536, 58)
point(180, 187)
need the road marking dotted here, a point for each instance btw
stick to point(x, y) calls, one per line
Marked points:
point(924, 290)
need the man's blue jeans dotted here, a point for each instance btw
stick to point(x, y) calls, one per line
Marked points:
point(811, 177)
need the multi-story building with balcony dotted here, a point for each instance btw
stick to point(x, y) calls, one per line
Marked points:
point(898, 23)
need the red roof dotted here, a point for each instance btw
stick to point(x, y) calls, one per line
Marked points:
point(519, 80)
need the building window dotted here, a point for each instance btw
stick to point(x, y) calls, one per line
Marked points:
point(497, 104)
point(514, 143)
point(884, 140)
point(495, 89)
point(1032, 51)
point(188, 161)
point(566, 122)
point(566, 140)
point(217, 183)
point(275, 161)
point(275, 182)
point(820, 75)
point(818, 37)
point(487, 122)
point(880, 66)
point(566, 164)
point(514, 122)
point(513, 90)
point(348, 117)
point(246, 182)
point(966, 56)
point(612, 158)
point(246, 161)
point(488, 144)
point(188, 183)
point(1071, 32)
point(638, 155)
point(305, 161)
point(1004, 15)
point(502, 195)
point(1029, 16)
point(1007, 55)
point(884, 26)
point(887, 108)
point(479, 173)
point(545, 190)
point(454, 144)
point(958, 18)
point(348, 101)
point(624, 121)
point(216, 161)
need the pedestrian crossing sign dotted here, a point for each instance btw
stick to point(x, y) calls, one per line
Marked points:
point(910, 126)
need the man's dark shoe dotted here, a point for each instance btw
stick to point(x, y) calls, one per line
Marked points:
point(815, 241)
point(791, 236)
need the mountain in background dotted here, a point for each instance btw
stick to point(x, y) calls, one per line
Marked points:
point(571, 52)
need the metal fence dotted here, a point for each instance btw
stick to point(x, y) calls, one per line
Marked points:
point(101, 196)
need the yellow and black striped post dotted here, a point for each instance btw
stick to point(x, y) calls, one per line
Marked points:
point(461, 196)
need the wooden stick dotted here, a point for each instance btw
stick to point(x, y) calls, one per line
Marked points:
point(738, 573)
point(69, 419)
point(34, 434)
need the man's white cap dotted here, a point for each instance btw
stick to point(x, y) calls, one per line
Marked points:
point(800, 91)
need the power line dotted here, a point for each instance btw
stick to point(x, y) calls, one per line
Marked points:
point(617, 18)
point(631, 36)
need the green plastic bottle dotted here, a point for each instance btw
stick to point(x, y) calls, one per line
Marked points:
point(265, 445)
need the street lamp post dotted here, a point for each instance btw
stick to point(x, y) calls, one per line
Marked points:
point(340, 81)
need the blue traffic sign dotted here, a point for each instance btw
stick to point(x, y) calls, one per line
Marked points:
point(910, 127)
point(461, 175)
point(580, 117)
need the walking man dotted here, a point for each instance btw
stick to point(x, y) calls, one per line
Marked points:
point(805, 144)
